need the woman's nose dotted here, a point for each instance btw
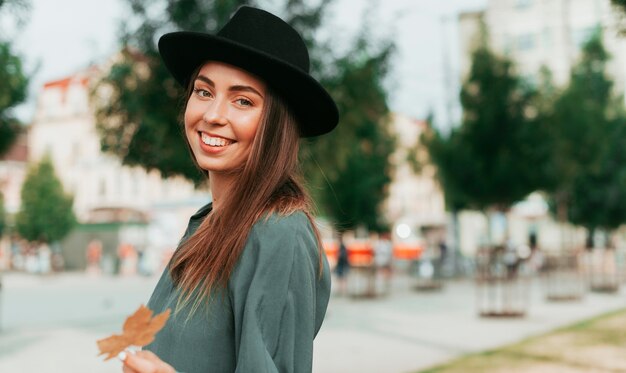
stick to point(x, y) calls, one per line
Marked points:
point(216, 112)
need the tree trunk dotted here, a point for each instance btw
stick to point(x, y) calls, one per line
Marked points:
point(561, 212)
point(489, 230)
point(589, 244)
point(455, 248)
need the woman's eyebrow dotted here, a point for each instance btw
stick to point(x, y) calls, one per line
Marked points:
point(206, 80)
point(244, 88)
point(234, 88)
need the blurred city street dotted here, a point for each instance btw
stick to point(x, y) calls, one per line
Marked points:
point(51, 323)
point(472, 196)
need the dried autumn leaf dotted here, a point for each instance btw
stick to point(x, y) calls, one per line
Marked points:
point(139, 330)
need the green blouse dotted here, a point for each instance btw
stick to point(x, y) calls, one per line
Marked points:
point(266, 318)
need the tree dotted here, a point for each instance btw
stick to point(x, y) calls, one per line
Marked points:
point(355, 158)
point(46, 213)
point(454, 167)
point(14, 87)
point(500, 131)
point(495, 157)
point(598, 197)
point(585, 161)
point(139, 120)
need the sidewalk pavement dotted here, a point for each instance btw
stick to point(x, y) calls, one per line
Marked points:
point(410, 331)
point(403, 332)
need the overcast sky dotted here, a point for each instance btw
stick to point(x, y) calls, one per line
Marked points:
point(64, 36)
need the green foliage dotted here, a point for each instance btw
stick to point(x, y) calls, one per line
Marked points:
point(138, 116)
point(588, 140)
point(598, 197)
point(495, 157)
point(454, 166)
point(355, 157)
point(46, 213)
point(14, 87)
point(621, 4)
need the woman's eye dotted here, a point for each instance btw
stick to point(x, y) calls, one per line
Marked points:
point(244, 102)
point(202, 92)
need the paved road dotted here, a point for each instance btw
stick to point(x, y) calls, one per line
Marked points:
point(50, 324)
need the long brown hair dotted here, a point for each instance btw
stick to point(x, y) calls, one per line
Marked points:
point(268, 182)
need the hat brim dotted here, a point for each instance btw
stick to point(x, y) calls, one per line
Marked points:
point(184, 51)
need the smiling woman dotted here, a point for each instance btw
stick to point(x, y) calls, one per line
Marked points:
point(249, 283)
point(222, 114)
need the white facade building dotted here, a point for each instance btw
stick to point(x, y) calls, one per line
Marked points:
point(64, 127)
point(415, 198)
point(550, 33)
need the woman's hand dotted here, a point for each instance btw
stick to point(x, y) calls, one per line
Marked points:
point(145, 362)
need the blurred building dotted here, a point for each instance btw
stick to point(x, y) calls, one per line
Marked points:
point(64, 128)
point(550, 33)
point(415, 199)
point(415, 206)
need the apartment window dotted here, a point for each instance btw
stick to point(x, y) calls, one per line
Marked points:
point(525, 42)
point(523, 4)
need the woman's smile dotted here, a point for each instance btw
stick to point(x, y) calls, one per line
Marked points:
point(213, 140)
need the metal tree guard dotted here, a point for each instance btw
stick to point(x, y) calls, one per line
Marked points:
point(603, 270)
point(427, 272)
point(502, 288)
point(563, 277)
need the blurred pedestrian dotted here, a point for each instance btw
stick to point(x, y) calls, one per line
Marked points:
point(17, 254)
point(31, 262)
point(442, 258)
point(249, 284)
point(128, 259)
point(383, 258)
point(4, 256)
point(94, 256)
point(44, 255)
point(342, 267)
point(443, 250)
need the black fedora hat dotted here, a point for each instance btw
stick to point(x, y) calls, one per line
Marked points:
point(266, 46)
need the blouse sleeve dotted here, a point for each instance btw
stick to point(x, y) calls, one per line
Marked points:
point(273, 294)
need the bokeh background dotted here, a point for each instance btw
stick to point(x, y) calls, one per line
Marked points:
point(477, 178)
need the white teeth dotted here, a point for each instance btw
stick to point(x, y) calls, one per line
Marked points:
point(214, 141)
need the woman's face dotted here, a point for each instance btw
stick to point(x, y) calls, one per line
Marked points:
point(222, 116)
